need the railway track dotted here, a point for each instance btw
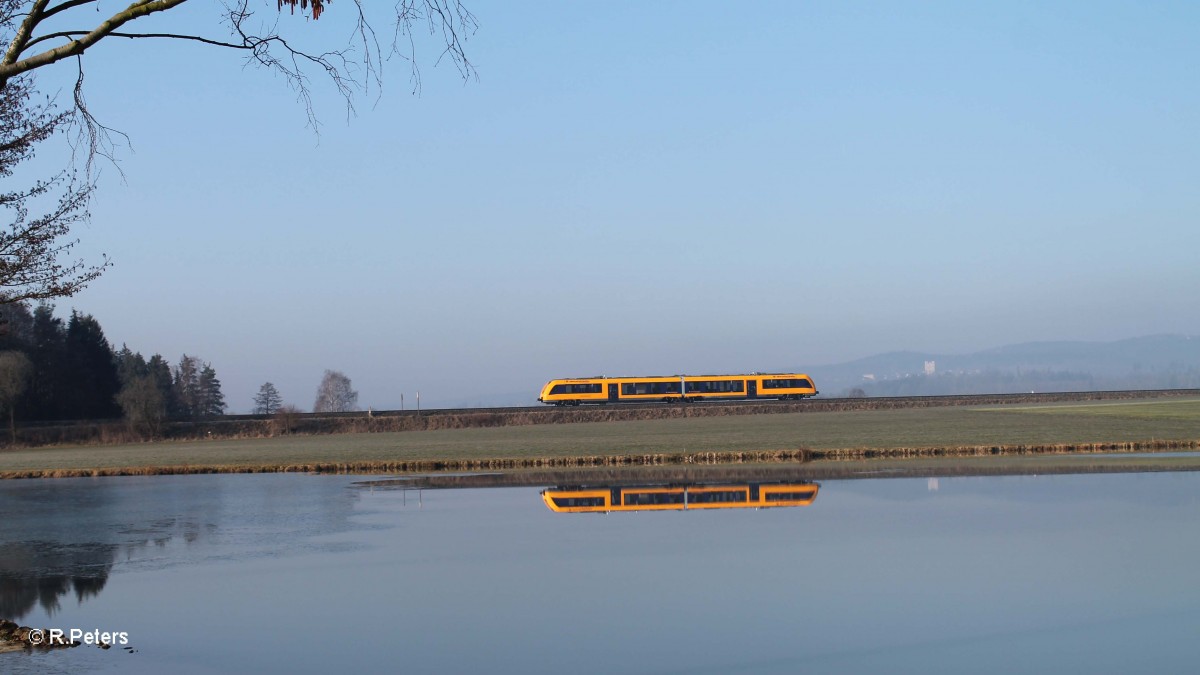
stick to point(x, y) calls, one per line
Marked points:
point(814, 404)
point(249, 426)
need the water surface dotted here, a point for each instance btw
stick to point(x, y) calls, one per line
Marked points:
point(313, 574)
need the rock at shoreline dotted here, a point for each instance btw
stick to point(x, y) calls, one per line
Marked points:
point(14, 637)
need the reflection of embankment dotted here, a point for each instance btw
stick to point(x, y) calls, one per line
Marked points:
point(642, 460)
point(614, 477)
point(924, 467)
point(41, 573)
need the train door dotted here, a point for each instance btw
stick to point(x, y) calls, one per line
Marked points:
point(751, 388)
point(612, 393)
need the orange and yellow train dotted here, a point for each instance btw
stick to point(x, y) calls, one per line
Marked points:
point(677, 388)
point(678, 497)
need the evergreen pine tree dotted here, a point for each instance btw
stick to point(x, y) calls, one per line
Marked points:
point(48, 353)
point(212, 401)
point(130, 365)
point(268, 400)
point(92, 377)
point(158, 368)
point(16, 327)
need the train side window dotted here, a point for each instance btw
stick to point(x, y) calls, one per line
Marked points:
point(788, 496)
point(593, 388)
point(716, 386)
point(653, 498)
point(718, 497)
point(576, 502)
point(796, 383)
point(649, 388)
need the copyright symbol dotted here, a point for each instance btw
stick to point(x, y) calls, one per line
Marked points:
point(37, 636)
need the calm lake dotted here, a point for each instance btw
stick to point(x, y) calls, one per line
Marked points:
point(318, 574)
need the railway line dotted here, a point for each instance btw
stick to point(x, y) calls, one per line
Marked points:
point(769, 405)
point(753, 414)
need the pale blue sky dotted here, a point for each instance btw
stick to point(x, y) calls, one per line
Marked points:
point(658, 187)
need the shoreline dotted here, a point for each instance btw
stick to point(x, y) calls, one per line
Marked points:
point(950, 435)
point(947, 460)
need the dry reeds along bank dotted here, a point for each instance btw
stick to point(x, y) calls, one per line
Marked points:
point(801, 455)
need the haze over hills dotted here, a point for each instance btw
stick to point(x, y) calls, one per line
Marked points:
point(1150, 362)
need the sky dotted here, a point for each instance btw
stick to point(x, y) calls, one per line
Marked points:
point(649, 188)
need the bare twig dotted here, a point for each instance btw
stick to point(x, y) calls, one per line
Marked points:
point(92, 135)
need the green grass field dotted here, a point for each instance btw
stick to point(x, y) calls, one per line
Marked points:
point(908, 428)
point(1183, 410)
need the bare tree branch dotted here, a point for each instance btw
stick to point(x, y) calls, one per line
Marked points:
point(173, 36)
point(71, 4)
point(94, 137)
point(290, 63)
point(24, 32)
point(356, 67)
point(449, 17)
point(32, 249)
point(10, 66)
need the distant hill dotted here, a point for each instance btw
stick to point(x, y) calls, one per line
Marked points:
point(1151, 362)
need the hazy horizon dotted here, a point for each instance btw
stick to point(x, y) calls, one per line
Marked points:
point(631, 188)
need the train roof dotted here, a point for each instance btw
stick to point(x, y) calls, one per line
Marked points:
point(677, 375)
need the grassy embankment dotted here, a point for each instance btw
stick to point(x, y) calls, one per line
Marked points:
point(242, 427)
point(922, 432)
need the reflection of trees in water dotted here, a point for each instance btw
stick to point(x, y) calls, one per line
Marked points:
point(63, 537)
point(41, 573)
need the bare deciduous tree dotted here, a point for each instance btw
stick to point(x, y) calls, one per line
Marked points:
point(43, 32)
point(36, 34)
point(335, 394)
point(187, 388)
point(285, 418)
point(144, 405)
point(32, 248)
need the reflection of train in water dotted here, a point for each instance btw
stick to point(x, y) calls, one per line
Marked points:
point(678, 388)
point(678, 497)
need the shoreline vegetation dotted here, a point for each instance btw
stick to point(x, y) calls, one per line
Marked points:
point(817, 463)
point(950, 436)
